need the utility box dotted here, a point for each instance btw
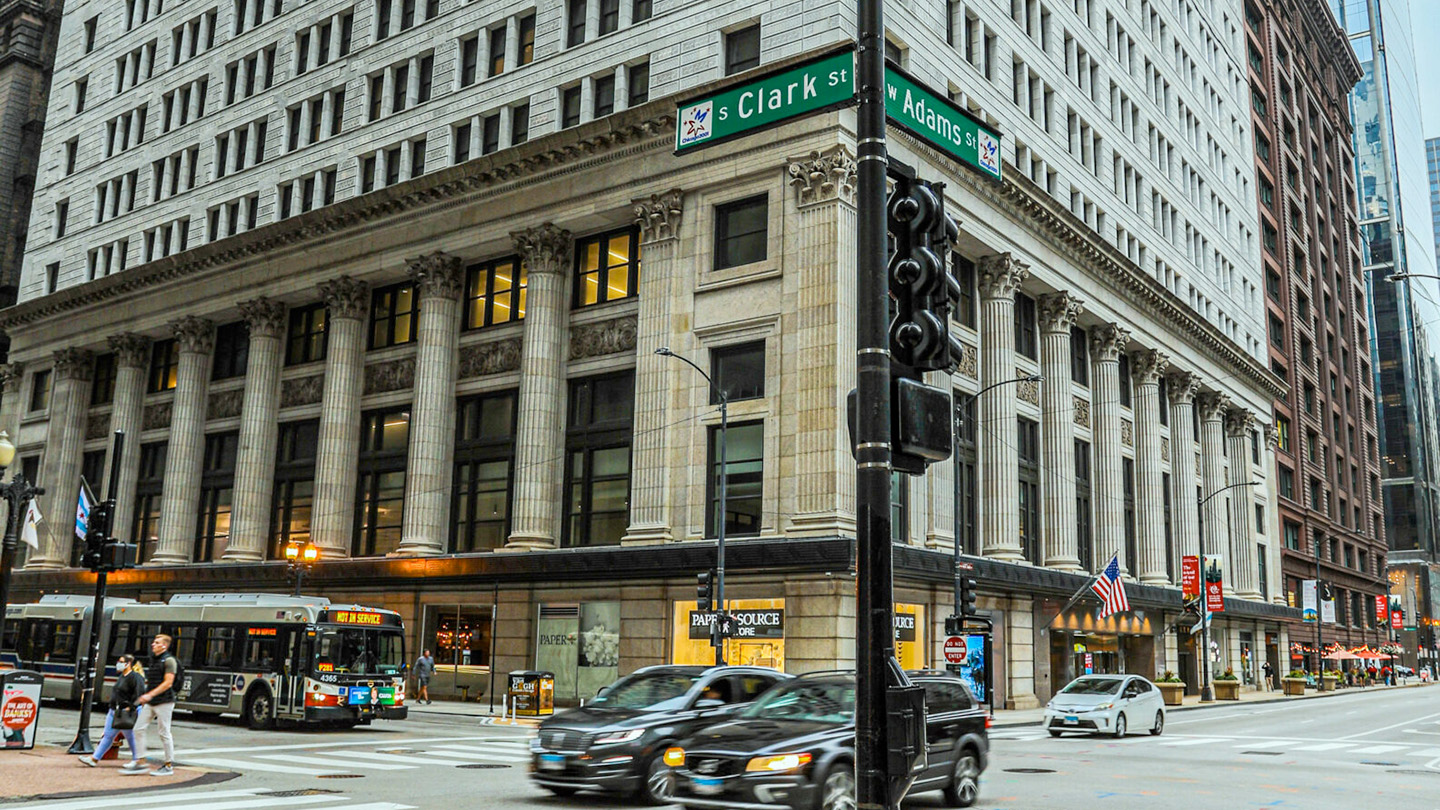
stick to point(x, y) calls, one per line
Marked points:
point(19, 708)
point(532, 693)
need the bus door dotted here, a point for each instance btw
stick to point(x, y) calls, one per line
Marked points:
point(292, 680)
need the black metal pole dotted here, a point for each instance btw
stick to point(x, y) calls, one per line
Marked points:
point(298, 569)
point(17, 494)
point(875, 636)
point(720, 474)
point(93, 665)
point(1319, 617)
point(1207, 691)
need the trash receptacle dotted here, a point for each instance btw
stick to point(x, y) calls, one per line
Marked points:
point(19, 707)
point(532, 693)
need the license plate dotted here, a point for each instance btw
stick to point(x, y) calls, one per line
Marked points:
point(552, 762)
point(1070, 718)
point(706, 787)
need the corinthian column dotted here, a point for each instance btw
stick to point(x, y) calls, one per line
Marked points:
point(1058, 313)
point(333, 524)
point(132, 361)
point(1212, 456)
point(1146, 368)
point(540, 433)
point(438, 279)
point(1000, 277)
point(180, 499)
point(1182, 386)
point(12, 384)
point(1106, 344)
point(1238, 424)
point(64, 440)
point(255, 456)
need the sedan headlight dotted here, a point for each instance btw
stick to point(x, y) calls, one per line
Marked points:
point(779, 763)
point(620, 736)
point(1103, 706)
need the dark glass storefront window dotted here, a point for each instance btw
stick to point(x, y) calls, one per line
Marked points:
point(148, 487)
point(384, 441)
point(739, 371)
point(744, 474)
point(295, 454)
point(484, 452)
point(217, 482)
point(597, 473)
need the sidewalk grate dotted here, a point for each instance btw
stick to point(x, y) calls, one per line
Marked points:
point(288, 794)
point(483, 766)
point(1264, 753)
point(1386, 764)
point(341, 776)
point(1029, 770)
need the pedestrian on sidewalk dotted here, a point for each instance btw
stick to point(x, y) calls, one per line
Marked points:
point(1269, 676)
point(128, 686)
point(157, 704)
point(424, 669)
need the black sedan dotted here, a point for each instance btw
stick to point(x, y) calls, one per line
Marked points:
point(795, 748)
point(617, 741)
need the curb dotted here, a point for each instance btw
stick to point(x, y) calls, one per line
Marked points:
point(209, 777)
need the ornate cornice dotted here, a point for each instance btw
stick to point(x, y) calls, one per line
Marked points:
point(74, 364)
point(346, 297)
point(824, 176)
point(1106, 342)
point(1001, 275)
point(659, 216)
point(437, 275)
point(194, 334)
point(1059, 311)
point(544, 249)
point(1213, 406)
point(264, 317)
point(131, 350)
point(1326, 28)
point(1147, 367)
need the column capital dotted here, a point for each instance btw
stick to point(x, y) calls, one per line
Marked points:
point(1106, 342)
point(11, 373)
point(74, 364)
point(1147, 367)
point(194, 334)
point(1059, 311)
point(824, 176)
point(1213, 406)
point(1272, 436)
point(1001, 275)
point(658, 216)
point(437, 275)
point(264, 317)
point(1239, 422)
point(1182, 386)
point(131, 350)
point(543, 248)
point(346, 297)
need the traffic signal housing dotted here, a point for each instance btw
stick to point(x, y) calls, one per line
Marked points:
point(97, 534)
point(968, 596)
point(920, 282)
point(704, 590)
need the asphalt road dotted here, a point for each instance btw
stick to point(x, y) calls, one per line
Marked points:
point(1354, 750)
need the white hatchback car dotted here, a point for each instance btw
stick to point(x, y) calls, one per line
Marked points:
point(1106, 704)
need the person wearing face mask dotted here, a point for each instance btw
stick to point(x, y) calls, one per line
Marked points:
point(129, 685)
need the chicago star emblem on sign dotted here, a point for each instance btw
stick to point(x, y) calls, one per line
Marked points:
point(695, 123)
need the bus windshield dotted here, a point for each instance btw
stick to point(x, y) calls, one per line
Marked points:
point(359, 651)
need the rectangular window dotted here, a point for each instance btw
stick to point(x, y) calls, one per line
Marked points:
point(40, 390)
point(495, 293)
point(377, 96)
point(527, 40)
point(427, 79)
point(519, 124)
point(597, 472)
point(294, 499)
point(497, 52)
point(484, 451)
point(604, 96)
point(417, 157)
point(741, 232)
point(965, 310)
point(1127, 467)
point(1028, 453)
point(462, 143)
point(1084, 526)
point(609, 16)
point(232, 350)
point(742, 49)
point(1125, 382)
point(1026, 327)
point(739, 371)
point(217, 482)
point(1080, 357)
point(1287, 482)
point(469, 60)
point(384, 442)
point(490, 134)
point(608, 267)
point(164, 360)
point(575, 31)
point(638, 91)
point(641, 11)
point(569, 107)
point(148, 489)
point(744, 476)
point(392, 316)
point(102, 390)
point(401, 89)
point(305, 342)
point(965, 481)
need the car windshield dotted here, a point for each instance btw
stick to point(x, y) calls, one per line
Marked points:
point(1093, 686)
point(649, 690)
point(807, 701)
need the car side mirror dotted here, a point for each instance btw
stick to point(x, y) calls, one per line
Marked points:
point(709, 703)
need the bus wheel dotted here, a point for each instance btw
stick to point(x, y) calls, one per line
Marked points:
point(259, 709)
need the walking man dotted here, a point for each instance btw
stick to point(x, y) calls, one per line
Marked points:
point(157, 704)
point(424, 668)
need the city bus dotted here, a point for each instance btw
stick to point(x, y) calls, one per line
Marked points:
point(266, 657)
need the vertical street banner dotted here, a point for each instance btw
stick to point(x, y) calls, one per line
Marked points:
point(1327, 610)
point(1190, 577)
point(1382, 610)
point(1309, 610)
point(1397, 620)
point(1214, 583)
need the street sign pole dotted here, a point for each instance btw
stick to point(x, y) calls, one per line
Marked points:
point(93, 665)
point(875, 637)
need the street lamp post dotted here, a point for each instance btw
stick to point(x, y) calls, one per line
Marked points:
point(300, 559)
point(1207, 689)
point(716, 637)
point(17, 494)
point(970, 406)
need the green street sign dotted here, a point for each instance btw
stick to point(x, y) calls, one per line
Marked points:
point(942, 124)
point(825, 83)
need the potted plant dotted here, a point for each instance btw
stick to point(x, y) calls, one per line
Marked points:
point(1171, 688)
point(1294, 683)
point(1227, 685)
point(1329, 679)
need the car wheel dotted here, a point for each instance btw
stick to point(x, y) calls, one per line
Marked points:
point(838, 792)
point(258, 710)
point(1159, 727)
point(1120, 725)
point(964, 786)
point(1054, 733)
point(561, 792)
point(659, 784)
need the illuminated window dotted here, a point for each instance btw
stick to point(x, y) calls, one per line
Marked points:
point(306, 340)
point(384, 441)
point(392, 316)
point(608, 267)
point(164, 359)
point(495, 293)
point(296, 449)
point(217, 495)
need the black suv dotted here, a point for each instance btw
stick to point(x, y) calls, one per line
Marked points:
point(616, 742)
point(795, 747)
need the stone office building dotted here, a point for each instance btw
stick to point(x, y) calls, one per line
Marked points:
point(426, 343)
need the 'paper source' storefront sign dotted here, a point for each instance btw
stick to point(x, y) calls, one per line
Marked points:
point(748, 623)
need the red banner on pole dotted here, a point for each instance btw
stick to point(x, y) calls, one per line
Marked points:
point(1397, 620)
point(1382, 609)
point(1215, 596)
point(1190, 577)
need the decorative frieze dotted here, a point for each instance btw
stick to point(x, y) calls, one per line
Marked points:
point(824, 176)
point(97, 426)
point(1127, 432)
point(602, 338)
point(345, 297)
point(155, 416)
point(224, 404)
point(659, 216)
point(392, 375)
point(495, 357)
point(1164, 448)
point(1029, 391)
point(437, 274)
point(264, 317)
point(1082, 412)
point(302, 391)
point(969, 361)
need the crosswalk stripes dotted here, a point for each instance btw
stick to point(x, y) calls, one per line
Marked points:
point(1201, 741)
point(478, 755)
point(327, 763)
point(1428, 753)
point(330, 760)
point(109, 801)
point(234, 799)
point(1379, 749)
point(368, 756)
point(238, 804)
point(1260, 745)
point(247, 766)
point(1329, 746)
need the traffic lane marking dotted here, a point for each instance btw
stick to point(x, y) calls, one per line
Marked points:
point(392, 758)
point(350, 743)
point(259, 801)
point(299, 760)
point(110, 801)
point(249, 766)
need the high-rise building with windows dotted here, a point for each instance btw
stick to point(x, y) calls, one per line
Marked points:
point(388, 276)
point(1396, 238)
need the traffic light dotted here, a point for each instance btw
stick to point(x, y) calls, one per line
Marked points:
point(968, 596)
point(704, 590)
point(97, 535)
point(920, 283)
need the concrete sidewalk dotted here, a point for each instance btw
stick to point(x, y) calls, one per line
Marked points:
point(1034, 717)
point(47, 772)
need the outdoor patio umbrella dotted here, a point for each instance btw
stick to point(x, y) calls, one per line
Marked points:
point(1341, 655)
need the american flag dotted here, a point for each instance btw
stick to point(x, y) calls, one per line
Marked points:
point(1110, 589)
